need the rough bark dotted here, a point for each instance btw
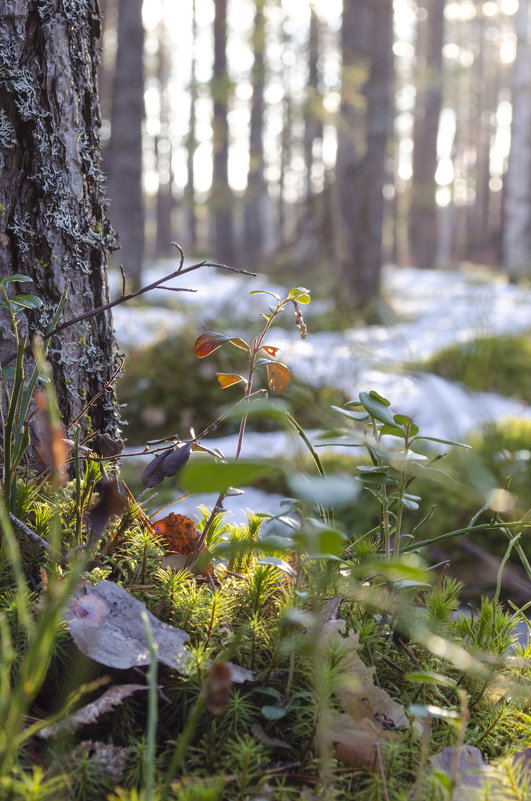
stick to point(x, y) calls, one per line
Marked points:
point(517, 222)
point(256, 197)
point(125, 150)
point(423, 223)
point(366, 43)
point(221, 200)
point(53, 223)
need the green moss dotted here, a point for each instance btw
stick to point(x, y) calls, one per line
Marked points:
point(488, 364)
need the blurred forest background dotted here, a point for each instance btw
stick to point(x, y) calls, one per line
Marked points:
point(319, 134)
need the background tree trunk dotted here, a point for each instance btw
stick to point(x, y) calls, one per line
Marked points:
point(221, 201)
point(423, 223)
point(517, 223)
point(53, 223)
point(256, 197)
point(125, 150)
point(191, 144)
point(164, 151)
point(313, 112)
point(366, 43)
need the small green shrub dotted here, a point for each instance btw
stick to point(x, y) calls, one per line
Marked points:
point(166, 388)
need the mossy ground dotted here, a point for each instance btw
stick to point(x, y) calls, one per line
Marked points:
point(488, 364)
point(250, 614)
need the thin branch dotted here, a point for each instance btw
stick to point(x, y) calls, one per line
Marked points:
point(31, 535)
point(155, 285)
point(107, 387)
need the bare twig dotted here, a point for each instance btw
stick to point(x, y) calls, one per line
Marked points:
point(155, 285)
point(107, 387)
point(31, 535)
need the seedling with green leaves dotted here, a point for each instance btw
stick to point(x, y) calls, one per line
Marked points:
point(259, 353)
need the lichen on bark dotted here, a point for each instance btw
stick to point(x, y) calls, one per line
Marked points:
point(54, 225)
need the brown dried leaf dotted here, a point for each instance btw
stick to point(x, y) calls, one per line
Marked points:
point(91, 712)
point(278, 376)
point(359, 697)
point(229, 379)
point(354, 742)
point(106, 446)
point(258, 732)
point(270, 350)
point(108, 759)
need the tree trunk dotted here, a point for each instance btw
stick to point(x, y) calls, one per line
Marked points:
point(191, 144)
point(423, 228)
point(221, 200)
point(366, 43)
point(256, 198)
point(125, 156)
point(517, 224)
point(53, 223)
point(313, 115)
point(163, 149)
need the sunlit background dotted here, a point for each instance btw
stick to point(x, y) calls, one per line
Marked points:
point(473, 72)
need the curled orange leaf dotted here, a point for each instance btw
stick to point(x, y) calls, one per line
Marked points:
point(278, 376)
point(229, 379)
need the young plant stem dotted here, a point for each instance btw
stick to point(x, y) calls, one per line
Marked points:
point(151, 737)
point(255, 347)
point(401, 491)
point(182, 745)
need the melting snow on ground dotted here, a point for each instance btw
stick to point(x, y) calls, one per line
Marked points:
point(439, 308)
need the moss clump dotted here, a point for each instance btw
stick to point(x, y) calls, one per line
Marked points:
point(488, 364)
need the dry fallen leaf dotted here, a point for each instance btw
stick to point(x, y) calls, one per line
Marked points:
point(359, 696)
point(105, 622)
point(91, 712)
point(354, 741)
point(179, 536)
point(369, 713)
point(109, 759)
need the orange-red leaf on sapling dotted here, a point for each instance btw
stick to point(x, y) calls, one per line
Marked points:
point(278, 376)
point(209, 341)
point(270, 350)
point(229, 379)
